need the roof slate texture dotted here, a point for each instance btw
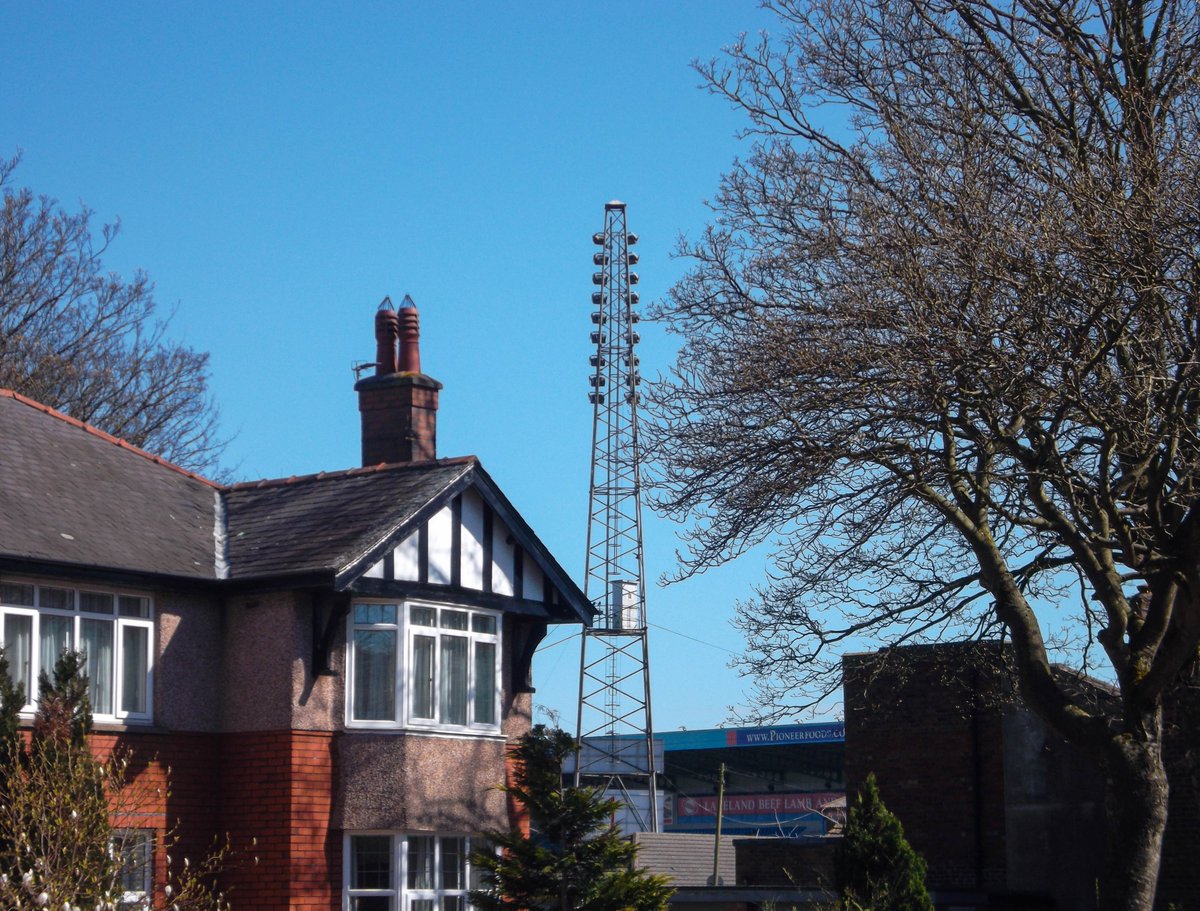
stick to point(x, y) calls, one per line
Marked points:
point(323, 522)
point(72, 495)
point(165, 520)
point(687, 858)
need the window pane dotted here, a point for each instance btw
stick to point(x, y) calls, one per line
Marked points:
point(424, 616)
point(16, 593)
point(371, 862)
point(485, 683)
point(420, 862)
point(370, 903)
point(422, 677)
point(483, 623)
point(135, 657)
point(375, 675)
point(18, 649)
point(454, 680)
point(56, 638)
point(454, 863)
point(452, 903)
point(56, 598)
point(96, 642)
point(422, 904)
point(96, 602)
point(132, 606)
point(454, 619)
point(374, 613)
point(133, 847)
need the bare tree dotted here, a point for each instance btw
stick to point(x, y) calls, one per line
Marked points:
point(88, 342)
point(940, 346)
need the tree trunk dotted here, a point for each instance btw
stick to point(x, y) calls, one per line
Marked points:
point(1136, 795)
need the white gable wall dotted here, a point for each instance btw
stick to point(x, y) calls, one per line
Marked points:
point(472, 540)
point(405, 558)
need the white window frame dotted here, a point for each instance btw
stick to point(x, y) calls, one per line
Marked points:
point(119, 622)
point(399, 896)
point(124, 842)
point(407, 631)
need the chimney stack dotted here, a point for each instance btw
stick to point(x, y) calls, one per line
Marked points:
point(399, 403)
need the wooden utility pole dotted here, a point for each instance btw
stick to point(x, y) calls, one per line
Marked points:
point(716, 880)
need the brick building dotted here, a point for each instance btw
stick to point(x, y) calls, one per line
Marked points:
point(331, 665)
point(1006, 814)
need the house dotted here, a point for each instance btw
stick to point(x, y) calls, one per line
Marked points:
point(329, 668)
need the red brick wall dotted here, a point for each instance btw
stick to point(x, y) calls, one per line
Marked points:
point(937, 754)
point(316, 851)
point(171, 783)
point(276, 791)
point(272, 792)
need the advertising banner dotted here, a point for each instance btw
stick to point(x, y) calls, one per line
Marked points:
point(754, 804)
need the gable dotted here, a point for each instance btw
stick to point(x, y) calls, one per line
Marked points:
point(472, 542)
point(465, 545)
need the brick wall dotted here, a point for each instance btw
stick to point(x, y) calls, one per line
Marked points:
point(276, 791)
point(936, 750)
point(792, 863)
point(997, 804)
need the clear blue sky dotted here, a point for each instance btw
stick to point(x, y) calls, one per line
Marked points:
point(278, 168)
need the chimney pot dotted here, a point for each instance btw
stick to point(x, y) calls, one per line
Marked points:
point(387, 331)
point(410, 337)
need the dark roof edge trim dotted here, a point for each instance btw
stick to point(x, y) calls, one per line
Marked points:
point(457, 595)
point(575, 597)
point(118, 577)
point(476, 476)
point(346, 576)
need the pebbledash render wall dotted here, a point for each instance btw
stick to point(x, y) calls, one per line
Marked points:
point(248, 742)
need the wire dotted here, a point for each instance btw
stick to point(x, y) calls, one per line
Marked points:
point(675, 632)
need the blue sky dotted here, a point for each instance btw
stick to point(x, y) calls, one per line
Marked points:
point(278, 168)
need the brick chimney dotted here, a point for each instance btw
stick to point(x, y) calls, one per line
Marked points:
point(399, 403)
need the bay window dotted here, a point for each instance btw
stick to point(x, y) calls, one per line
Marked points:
point(386, 871)
point(422, 665)
point(112, 630)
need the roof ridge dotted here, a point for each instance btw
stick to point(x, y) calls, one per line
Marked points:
point(350, 472)
point(104, 435)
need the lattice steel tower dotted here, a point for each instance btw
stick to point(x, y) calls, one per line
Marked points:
point(614, 728)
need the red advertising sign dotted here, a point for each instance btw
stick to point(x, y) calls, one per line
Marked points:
point(755, 804)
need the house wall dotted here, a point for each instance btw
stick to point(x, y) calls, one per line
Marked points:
point(188, 666)
point(256, 679)
point(249, 742)
point(420, 783)
point(280, 773)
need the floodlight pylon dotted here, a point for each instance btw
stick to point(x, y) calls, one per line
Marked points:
point(614, 722)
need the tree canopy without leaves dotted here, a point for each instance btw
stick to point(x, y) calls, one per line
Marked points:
point(939, 345)
point(88, 342)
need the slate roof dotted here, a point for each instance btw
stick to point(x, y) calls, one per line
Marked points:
point(164, 523)
point(74, 496)
point(324, 522)
point(686, 857)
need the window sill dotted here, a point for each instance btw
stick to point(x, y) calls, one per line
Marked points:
point(451, 733)
point(110, 727)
